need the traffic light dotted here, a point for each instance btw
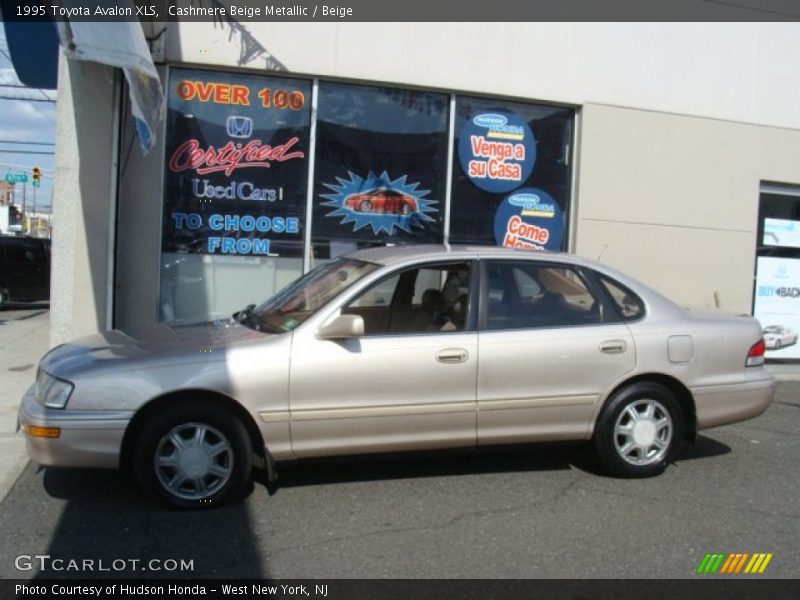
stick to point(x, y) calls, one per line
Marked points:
point(37, 176)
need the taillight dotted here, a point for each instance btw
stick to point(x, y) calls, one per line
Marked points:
point(755, 358)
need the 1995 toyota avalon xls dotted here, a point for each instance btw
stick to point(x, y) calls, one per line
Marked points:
point(394, 349)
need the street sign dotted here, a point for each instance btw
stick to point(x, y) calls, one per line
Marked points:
point(16, 178)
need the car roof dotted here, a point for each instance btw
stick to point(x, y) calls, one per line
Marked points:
point(389, 255)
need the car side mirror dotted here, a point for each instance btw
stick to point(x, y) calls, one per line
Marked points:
point(342, 327)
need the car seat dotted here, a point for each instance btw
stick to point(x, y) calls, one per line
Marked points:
point(434, 307)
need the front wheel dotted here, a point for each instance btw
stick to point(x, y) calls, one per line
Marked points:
point(639, 430)
point(193, 456)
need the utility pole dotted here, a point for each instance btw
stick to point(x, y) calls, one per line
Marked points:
point(24, 207)
point(34, 212)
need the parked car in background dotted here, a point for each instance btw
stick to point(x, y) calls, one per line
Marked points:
point(778, 336)
point(382, 201)
point(24, 269)
point(395, 349)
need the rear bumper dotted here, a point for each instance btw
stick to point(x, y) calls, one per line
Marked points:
point(86, 439)
point(724, 404)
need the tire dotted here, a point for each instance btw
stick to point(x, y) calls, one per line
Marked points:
point(365, 206)
point(3, 298)
point(209, 472)
point(406, 210)
point(629, 449)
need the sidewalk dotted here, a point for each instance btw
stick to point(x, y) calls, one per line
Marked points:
point(24, 338)
point(784, 371)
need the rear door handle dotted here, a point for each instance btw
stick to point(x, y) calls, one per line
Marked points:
point(613, 346)
point(452, 355)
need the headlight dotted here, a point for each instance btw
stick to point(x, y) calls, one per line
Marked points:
point(52, 392)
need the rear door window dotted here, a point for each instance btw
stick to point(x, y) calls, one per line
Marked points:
point(529, 295)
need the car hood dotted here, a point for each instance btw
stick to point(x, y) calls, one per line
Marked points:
point(184, 344)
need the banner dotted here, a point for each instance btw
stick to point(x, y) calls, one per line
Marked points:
point(237, 164)
point(122, 45)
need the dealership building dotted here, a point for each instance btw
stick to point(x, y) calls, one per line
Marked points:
point(670, 151)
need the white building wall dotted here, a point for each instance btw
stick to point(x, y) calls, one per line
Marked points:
point(673, 200)
point(736, 71)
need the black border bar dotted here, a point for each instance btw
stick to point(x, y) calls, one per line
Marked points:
point(703, 587)
point(248, 11)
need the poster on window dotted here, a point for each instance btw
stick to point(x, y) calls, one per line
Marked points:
point(236, 164)
point(529, 219)
point(380, 167)
point(497, 150)
point(777, 304)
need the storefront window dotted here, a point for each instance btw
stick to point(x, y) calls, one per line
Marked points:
point(380, 168)
point(511, 175)
point(238, 161)
point(237, 153)
point(776, 301)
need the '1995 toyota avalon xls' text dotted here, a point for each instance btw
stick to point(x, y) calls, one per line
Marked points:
point(395, 349)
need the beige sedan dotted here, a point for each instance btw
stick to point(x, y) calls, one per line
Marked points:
point(395, 349)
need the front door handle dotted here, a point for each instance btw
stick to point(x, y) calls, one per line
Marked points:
point(452, 355)
point(613, 346)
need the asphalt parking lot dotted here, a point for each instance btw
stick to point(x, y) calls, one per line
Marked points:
point(525, 513)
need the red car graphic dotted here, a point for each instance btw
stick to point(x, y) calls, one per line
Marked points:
point(382, 201)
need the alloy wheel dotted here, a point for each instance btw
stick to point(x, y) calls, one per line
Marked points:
point(193, 461)
point(643, 432)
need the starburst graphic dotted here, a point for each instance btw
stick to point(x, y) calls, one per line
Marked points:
point(379, 202)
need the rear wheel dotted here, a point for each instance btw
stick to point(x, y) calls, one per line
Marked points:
point(639, 430)
point(193, 456)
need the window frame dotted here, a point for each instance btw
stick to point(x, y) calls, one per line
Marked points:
point(608, 312)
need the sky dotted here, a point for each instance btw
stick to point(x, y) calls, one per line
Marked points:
point(25, 121)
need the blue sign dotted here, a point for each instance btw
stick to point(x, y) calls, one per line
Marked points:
point(497, 150)
point(531, 219)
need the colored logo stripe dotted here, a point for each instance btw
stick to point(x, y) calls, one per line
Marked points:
point(733, 563)
point(758, 563)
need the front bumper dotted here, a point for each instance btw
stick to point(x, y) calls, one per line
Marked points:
point(723, 404)
point(87, 438)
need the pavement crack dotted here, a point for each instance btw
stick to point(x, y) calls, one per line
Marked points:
point(750, 509)
point(560, 493)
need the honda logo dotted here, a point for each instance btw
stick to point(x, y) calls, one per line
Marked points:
point(239, 127)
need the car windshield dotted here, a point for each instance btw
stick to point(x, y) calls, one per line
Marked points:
point(303, 297)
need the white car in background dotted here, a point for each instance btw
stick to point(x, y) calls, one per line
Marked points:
point(778, 336)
